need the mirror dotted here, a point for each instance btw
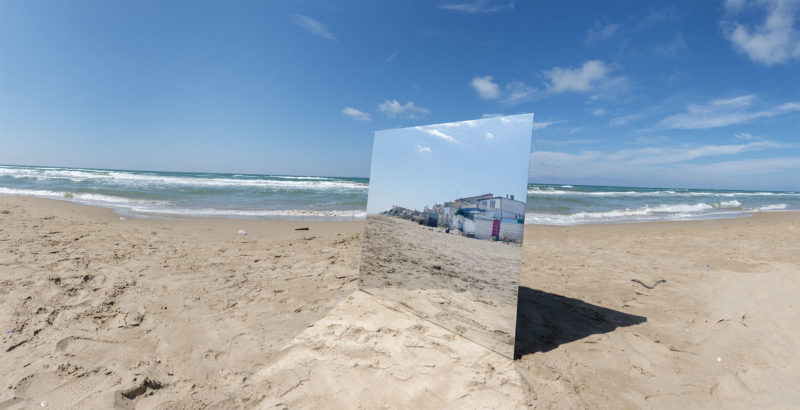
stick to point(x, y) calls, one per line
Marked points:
point(445, 219)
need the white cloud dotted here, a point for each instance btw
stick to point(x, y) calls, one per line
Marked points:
point(489, 115)
point(486, 88)
point(355, 114)
point(773, 41)
point(654, 155)
point(438, 134)
point(649, 155)
point(390, 58)
point(667, 165)
point(619, 121)
point(592, 75)
point(570, 142)
point(393, 108)
point(673, 48)
point(489, 136)
point(421, 148)
point(540, 125)
point(480, 6)
point(720, 113)
point(313, 26)
point(602, 31)
point(744, 136)
point(517, 92)
point(599, 112)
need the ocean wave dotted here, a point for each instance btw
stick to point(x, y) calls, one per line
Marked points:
point(89, 198)
point(774, 207)
point(149, 179)
point(536, 191)
point(279, 213)
point(643, 214)
point(144, 206)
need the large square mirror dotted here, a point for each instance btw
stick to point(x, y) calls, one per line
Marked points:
point(445, 218)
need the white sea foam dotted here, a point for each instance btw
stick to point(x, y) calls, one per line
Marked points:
point(656, 213)
point(536, 191)
point(143, 206)
point(88, 198)
point(145, 179)
point(278, 213)
point(774, 207)
point(730, 204)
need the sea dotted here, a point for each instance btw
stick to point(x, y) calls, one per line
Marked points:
point(302, 197)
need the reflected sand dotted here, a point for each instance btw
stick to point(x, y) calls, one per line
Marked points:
point(465, 285)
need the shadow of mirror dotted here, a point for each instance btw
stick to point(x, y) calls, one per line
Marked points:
point(546, 321)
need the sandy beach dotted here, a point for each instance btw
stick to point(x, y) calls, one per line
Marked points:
point(99, 312)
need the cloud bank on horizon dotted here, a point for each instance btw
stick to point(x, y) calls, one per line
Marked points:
point(689, 94)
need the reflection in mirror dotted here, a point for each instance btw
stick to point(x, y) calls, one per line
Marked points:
point(444, 226)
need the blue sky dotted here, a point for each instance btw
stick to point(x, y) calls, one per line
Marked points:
point(689, 94)
point(421, 166)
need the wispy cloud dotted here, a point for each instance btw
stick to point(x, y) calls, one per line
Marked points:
point(672, 49)
point(619, 121)
point(486, 87)
point(540, 125)
point(393, 109)
point(599, 112)
point(356, 114)
point(744, 136)
point(422, 148)
point(433, 131)
point(489, 136)
point(439, 134)
point(662, 155)
point(602, 31)
point(723, 112)
point(668, 165)
point(390, 58)
point(517, 92)
point(480, 6)
point(581, 141)
point(775, 40)
point(312, 26)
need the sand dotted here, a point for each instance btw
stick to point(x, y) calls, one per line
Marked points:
point(147, 313)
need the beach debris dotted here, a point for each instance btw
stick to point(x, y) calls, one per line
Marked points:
point(242, 232)
point(301, 229)
point(122, 218)
point(719, 359)
point(648, 287)
point(10, 331)
point(708, 266)
point(43, 404)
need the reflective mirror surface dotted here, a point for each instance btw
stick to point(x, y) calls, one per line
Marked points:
point(445, 218)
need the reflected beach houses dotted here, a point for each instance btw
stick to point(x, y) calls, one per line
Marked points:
point(486, 216)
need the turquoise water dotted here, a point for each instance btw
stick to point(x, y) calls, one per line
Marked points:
point(170, 194)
